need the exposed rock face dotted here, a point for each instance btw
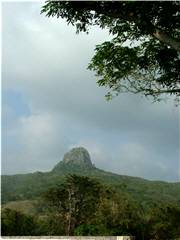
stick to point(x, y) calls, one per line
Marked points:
point(76, 158)
point(79, 156)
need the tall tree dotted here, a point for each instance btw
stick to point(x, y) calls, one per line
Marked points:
point(144, 54)
point(75, 200)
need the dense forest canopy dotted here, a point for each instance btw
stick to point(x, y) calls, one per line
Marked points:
point(144, 53)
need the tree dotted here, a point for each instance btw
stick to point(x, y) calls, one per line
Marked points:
point(116, 214)
point(16, 223)
point(83, 206)
point(144, 54)
point(164, 222)
point(74, 201)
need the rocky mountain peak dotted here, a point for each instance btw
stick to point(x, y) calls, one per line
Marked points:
point(76, 157)
point(79, 156)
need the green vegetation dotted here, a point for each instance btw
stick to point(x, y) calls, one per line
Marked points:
point(26, 206)
point(23, 187)
point(15, 223)
point(83, 206)
point(77, 198)
point(74, 201)
point(144, 53)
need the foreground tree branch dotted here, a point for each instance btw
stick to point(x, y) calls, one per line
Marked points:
point(153, 31)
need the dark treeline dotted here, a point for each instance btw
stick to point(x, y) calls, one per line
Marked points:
point(83, 206)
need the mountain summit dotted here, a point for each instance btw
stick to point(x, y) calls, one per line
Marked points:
point(76, 159)
point(79, 156)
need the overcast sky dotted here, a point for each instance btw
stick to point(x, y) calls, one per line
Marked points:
point(52, 103)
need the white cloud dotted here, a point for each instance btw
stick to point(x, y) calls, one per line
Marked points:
point(40, 144)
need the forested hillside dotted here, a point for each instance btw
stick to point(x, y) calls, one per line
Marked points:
point(21, 187)
point(76, 198)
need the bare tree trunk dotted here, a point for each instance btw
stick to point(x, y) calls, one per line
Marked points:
point(70, 214)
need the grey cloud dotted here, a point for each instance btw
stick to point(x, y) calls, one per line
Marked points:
point(46, 61)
